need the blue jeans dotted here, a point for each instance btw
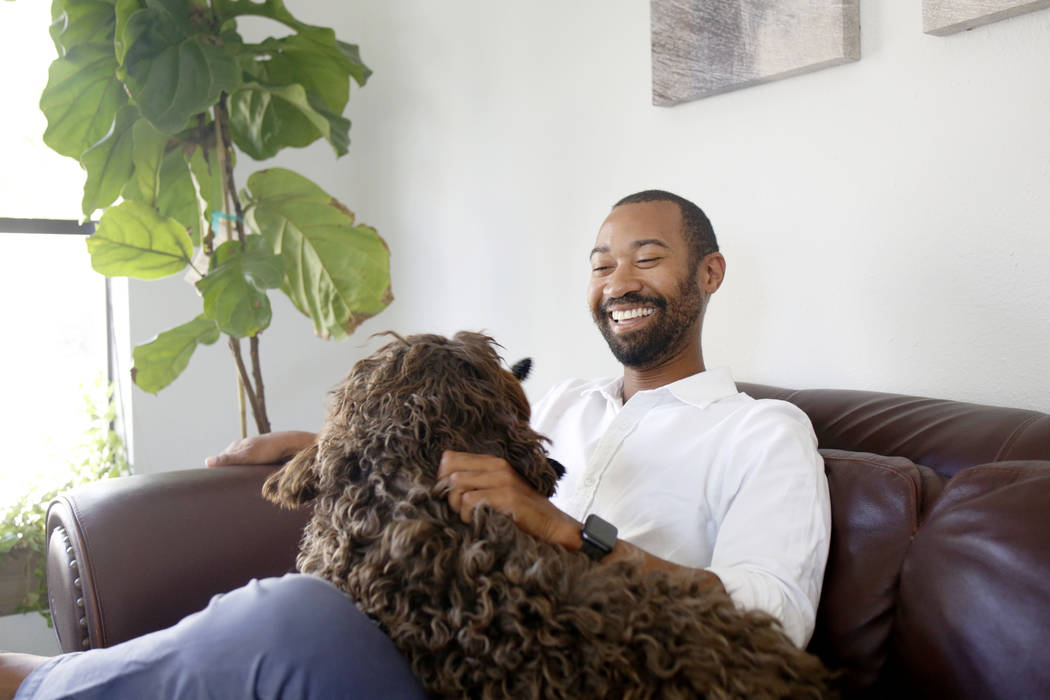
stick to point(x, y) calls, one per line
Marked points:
point(291, 637)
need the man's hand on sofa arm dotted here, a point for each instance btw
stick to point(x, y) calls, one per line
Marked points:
point(271, 448)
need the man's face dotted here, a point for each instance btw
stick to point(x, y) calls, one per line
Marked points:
point(644, 293)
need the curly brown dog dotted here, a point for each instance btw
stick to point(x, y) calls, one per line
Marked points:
point(483, 610)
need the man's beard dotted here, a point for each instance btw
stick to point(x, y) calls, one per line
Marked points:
point(661, 339)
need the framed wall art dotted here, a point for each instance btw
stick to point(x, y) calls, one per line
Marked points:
point(706, 47)
point(941, 17)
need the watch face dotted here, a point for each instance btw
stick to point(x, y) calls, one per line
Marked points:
point(599, 532)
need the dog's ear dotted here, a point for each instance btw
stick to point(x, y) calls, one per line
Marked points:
point(294, 484)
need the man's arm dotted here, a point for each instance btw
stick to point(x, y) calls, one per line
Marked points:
point(270, 448)
point(474, 479)
point(774, 518)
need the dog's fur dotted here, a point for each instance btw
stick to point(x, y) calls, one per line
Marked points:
point(484, 610)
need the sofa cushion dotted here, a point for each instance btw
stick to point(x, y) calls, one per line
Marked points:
point(876, 505)
point(974, 610)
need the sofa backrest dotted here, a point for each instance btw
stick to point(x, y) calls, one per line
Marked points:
point(947, 436)
point(937, 578)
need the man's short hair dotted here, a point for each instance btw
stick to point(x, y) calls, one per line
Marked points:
point(696, 227)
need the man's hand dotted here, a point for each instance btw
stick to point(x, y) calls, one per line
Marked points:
point(474, 479)
point(271, 448)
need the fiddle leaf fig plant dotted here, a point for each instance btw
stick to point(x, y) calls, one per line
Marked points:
point(156, 99)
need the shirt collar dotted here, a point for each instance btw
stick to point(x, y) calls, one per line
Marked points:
point(700, 389)
point(609, 387)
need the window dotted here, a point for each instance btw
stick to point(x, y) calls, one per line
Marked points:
point(53, 353)
point(55, 327)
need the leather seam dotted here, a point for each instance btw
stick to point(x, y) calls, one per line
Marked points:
point(1012, 439)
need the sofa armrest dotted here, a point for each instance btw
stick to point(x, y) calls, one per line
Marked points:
point(132, 555)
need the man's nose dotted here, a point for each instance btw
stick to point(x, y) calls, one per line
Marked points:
point(622, 280)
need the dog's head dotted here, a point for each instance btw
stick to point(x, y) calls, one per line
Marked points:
point(399, 409)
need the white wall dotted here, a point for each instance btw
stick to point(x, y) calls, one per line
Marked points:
point(28, 633)
point(885, 222)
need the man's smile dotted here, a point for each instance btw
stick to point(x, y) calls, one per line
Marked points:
point(630, 317)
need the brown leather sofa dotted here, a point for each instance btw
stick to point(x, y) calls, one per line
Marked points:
point(938, 582)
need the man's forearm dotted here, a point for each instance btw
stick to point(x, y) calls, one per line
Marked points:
point(474, 479)
point(571, 540)
point(707, 579)
point(271, 448)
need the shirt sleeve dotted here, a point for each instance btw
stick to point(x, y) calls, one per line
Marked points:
point(773, 518)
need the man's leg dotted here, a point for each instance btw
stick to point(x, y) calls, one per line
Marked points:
point(290, 637)
point(13, 670)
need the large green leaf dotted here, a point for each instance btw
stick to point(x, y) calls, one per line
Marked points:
point(81, 98)
point(158, 362)
point(178, 197)
point(336, 273)
point(233, 289)
point(312, 58)
point(150, 144)
point(274, 9)
point(299, 89)
point(266, 118)
point(108, 162)
point(76, 22)
point(173, 70)
point(162, 178)
point(133, 240)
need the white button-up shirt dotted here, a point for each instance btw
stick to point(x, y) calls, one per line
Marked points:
point(703, 476)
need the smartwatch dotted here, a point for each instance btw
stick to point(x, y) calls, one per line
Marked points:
point(599, 537)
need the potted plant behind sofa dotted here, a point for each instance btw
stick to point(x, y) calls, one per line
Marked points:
point(99, 454)
point(155, 99)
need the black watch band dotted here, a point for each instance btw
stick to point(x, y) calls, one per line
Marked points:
point(599, 537)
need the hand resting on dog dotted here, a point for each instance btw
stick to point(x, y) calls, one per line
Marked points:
point(474, 480)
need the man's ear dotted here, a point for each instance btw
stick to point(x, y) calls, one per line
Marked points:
point(295, 484)
point(712, 272)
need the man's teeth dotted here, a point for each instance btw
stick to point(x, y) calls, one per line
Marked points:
point(628, 314)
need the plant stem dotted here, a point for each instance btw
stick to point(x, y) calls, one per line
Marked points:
point(255, 392)
point(223, 117)
point(241, 408)
point(260, 392)
point(258, 410)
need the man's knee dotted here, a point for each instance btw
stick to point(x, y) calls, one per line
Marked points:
point(293, 605)
point(304, 634)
